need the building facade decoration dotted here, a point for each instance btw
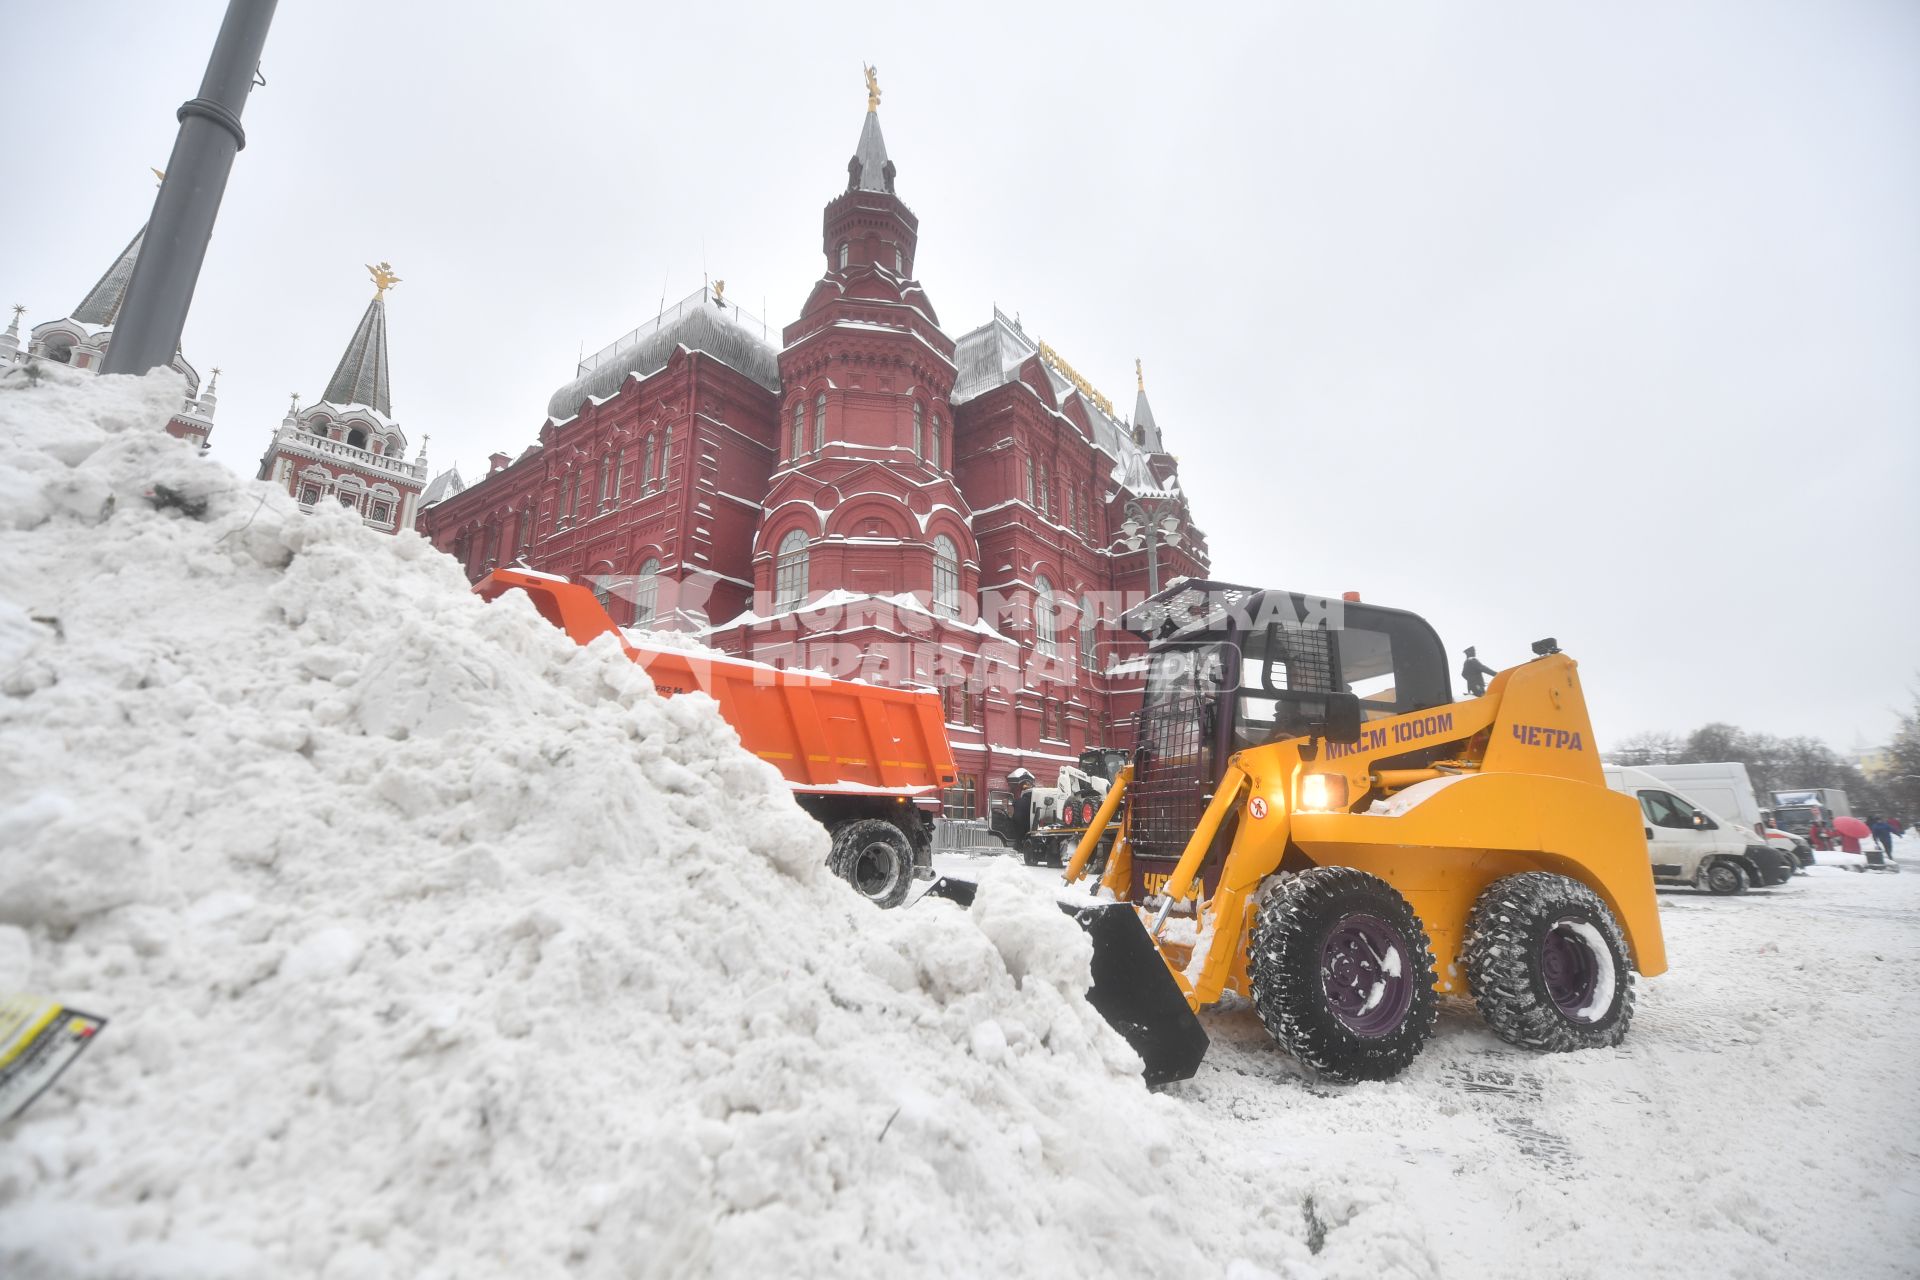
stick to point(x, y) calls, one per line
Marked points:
point(857, 493)
point(346, 447)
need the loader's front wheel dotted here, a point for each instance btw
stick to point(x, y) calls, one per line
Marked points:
point(873, 856)
point(1342, 974)
point(1546, 964)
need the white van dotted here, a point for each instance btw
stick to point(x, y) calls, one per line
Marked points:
point(1691, 844)
point(1724, 788)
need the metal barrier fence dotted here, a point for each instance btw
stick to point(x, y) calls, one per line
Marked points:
point(963, 833)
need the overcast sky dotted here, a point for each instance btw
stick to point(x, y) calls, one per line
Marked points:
point(1598, 321)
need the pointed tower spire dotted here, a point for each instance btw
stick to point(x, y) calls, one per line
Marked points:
point(102, 303)
point(10, 340)
point(1146, 432)
point(361, 377)
point(870, 170)
point(210, 398)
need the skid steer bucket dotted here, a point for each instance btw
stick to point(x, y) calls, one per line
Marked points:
point(1132, 988)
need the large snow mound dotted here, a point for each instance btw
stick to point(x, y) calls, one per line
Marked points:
point(435, 945)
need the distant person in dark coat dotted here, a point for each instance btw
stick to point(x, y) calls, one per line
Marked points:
point(1475, 673)
point(1022, 783)
point(1882, 835)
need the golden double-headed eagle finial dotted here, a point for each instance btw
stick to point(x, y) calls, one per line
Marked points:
point(873, 87)
point(1139, 378)
point(383, 278)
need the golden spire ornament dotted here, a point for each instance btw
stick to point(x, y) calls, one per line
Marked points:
point(873, 87)
point(383, 278)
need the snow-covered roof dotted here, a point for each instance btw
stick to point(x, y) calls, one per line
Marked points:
point(724, 332)
point(991, 356)
point(444, 486)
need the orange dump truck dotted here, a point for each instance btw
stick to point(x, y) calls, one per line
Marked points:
point(867, 762)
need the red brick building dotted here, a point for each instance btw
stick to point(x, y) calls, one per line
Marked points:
point(858, 493)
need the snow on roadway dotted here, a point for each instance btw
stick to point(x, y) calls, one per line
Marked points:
point(1762, 1117)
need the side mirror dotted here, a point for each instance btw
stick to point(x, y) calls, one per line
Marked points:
point(1702, 822)
point(1343, 718)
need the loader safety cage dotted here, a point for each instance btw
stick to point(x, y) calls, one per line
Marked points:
point(1232, 667)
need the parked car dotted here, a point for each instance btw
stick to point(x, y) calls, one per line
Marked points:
point(1691, 844)
point(1724, 788)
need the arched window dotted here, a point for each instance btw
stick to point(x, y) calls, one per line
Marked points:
point(646, 591)
point(619, 471)
point(843, 255)
point(799, 428)
point(357, 438)
point(919, 420)
point(820, 422)
point(666, 455)
point(934, 455)
point(946, 576)
point(606, 480)
point(566, 502)
point(1044, 639)
point(1029, 480)
point(1089, 634)
point(646, 468)
point(1046, 491)
point(523, 526)
point(899, 263)
point(790, 571)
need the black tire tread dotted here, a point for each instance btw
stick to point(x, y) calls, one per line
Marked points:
point(1284, 971)
point(849, 838)
point(1497, 955)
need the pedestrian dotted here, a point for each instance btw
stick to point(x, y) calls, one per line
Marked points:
point(1475, 673)
point(1021, 780)
point(1882, 835)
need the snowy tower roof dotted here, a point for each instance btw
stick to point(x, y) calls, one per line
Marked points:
point(361, 377)
point(870, 170)
point(102, 303)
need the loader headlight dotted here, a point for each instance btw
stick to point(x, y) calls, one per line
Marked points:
point(1323, 792)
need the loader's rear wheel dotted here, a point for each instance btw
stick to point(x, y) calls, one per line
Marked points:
point(1342, 974)
point(1723, 878)
point(1546, 964)
point(873, 856)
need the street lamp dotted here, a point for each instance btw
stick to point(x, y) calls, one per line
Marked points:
point(1150, 520)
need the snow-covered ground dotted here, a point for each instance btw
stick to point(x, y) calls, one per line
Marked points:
point(1762, 1117)
point(436, 946)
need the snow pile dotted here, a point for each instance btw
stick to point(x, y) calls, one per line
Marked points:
point(435, 945)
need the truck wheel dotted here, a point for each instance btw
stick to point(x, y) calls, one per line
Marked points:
point(1546, 964)
point(1721, 877)
point(873, 856)
point(1342, 974)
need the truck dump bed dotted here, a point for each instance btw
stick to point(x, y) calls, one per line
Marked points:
point(826, 736)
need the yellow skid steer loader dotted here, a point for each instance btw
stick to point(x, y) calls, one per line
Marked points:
point(1312, 822)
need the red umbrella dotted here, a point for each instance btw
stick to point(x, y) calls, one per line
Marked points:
point(1852, 827)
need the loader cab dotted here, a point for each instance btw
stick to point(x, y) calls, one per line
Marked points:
point(1230, 668)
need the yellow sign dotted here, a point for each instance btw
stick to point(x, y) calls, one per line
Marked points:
point(1072, 375)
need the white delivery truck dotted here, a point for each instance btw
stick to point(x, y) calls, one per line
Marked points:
point(1691, 844)
point(1725, 788)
